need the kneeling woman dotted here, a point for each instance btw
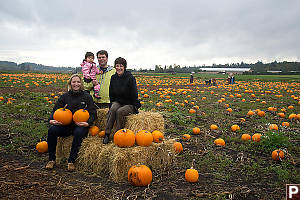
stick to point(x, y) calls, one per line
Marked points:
point(76, 98)
point(123, 97)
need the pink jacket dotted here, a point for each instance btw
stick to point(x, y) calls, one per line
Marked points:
point(89, 70)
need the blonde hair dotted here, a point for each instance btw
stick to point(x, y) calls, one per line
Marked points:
point(69, 82)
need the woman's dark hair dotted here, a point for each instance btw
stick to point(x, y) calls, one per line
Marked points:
point(121, 61)
point(88, 54)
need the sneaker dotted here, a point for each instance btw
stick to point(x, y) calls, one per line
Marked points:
point(50, 164)
point(96, 95)
point(71, 167)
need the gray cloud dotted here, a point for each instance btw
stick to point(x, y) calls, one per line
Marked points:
point(150, 32)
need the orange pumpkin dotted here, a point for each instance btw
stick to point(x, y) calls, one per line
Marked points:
point(256, 137)
point(196, 131)
point(261, 113)
point(42, 147)
point(139, 175)
point(144, 138)
point(219, 142)
point(124, 138)
point(285, 124)
point(63, 116)
point(94, 130)
point(277, 155)
point(235, 127)
point(178, 147)
point(229, 109)
point(191, 175)
point(81, 115)
point(186, 137)
point(192, 111)
point(246, 137)
point(250, 113)
point(292, 116)
point(273, 127)
point(281, 114)
point(157, 136)
point(213, 127)
point(101, 133)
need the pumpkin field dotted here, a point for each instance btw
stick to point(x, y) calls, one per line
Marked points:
point(243, 139)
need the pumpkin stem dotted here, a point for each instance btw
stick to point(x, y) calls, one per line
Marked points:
point(193, 164)
point(84, 108)
point(65, 107)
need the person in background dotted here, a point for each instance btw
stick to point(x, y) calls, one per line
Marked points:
point(76, 98)
point(191, 78)
point(123, 96)
point(89, 71)
point(103, 79)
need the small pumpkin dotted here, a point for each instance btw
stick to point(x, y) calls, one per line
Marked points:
point(124, 138)
point(256, 137)
point(81, 115)
point(157, 136)
point(192, 111)
point(250, 113)
point(261, 113)
point(94, 130)
point(219, 142)
point(144, 138)
point(186, 137)
point(285, 124)
point(229, 109)
point(235, 128)
point(273, 127)
point(246, 137)
point(191, 175)
point(213, 127)
point(178, 147)
point(63, 115)
point(196, 131)
point(101, 133)
point(281, 114)
point(292, 116)
point(277, 155)
point(42, 147)
point(139, 175)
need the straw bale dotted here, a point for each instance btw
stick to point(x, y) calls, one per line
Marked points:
point(149, 121)
point(101, 118)
point(63, 148)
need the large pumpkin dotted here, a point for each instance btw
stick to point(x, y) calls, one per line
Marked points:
point(157, 136)
point(42, 147)
point(63, 116)
point(144, 138)
point(124, 138)
point(139, 175)
point(81, 115)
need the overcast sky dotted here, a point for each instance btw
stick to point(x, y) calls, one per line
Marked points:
point(149, 33)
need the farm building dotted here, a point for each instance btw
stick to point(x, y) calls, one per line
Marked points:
point(224, 70)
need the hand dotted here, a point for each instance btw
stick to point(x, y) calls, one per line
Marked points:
point(95, 82)
point(54, 122)
point(84, 124)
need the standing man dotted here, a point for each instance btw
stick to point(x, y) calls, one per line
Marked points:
point(103, 79)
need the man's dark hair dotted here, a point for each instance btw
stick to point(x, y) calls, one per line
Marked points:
point(88, 54)
point(102, 52)
point(121, 61)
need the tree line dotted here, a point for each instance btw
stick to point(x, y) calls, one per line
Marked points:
point(256, 68)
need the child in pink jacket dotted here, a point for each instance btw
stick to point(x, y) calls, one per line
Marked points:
point(89, 70)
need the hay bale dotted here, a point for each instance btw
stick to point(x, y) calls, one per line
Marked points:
point(63, 148)
point(149, 121)
point(98, 158)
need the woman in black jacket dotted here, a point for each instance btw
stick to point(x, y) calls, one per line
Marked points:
point(123, 96)
point(76, 98)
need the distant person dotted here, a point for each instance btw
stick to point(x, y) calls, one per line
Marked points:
point(232, 79)
point(104, 79)
point(76, 98)
point(214, 82)
point(123, 96)
point(191, 78)
point(89, 70)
